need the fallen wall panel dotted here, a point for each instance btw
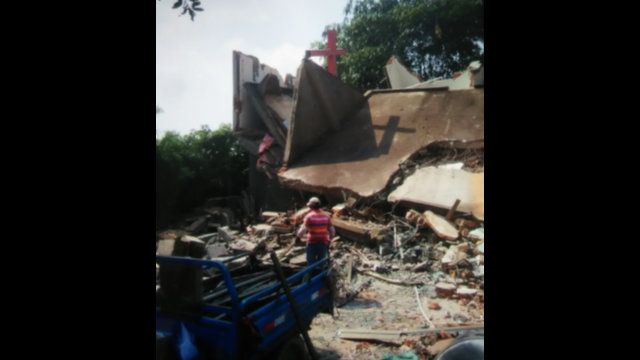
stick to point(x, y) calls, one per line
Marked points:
point(440, 187)
point(321, 104)
point(391, 126)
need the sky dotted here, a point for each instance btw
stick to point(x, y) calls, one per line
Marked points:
point(193, 58)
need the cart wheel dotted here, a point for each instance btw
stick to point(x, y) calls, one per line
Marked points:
point(293, 349)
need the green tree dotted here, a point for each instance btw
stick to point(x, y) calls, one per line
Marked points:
point(194, 167)
point(435, 38)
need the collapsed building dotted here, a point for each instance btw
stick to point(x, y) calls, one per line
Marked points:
point(313, 133)
point(417, 146)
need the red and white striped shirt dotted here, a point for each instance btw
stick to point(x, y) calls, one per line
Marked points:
point(319, 226)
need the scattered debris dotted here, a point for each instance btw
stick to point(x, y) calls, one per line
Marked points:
point(439, 345)
point(445, 289)
point(392, 337)
point(227, 234)
point(352, 294)
point(338, 210)
point(452, 210)
point(423, 266)
point(440, 226)
point(421, 309)
point(477, 234)
point(451, 255)
point(391, 281)
point(464, 223)
point(242, 245)
point(375, 250)
point(301, 138)
point(414, 217)
point(357, 231)
point(465, 292)
point(165, 247)
point(217, 250)
point(479, 249)
point(268, 216)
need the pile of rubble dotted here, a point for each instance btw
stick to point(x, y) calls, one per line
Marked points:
point(376, 255)
point(419, 242)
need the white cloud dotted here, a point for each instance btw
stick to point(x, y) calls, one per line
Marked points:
point(285, 58)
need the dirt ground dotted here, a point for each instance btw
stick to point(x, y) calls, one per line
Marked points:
point(386, 306)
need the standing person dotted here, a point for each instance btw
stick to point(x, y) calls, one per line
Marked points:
point(319, 231)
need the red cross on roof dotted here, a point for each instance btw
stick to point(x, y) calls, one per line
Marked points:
point(330, 52)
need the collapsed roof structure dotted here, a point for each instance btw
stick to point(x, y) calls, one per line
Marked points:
point(400, 77)
point(314, 133)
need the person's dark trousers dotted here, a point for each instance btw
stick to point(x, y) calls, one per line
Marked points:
point(315, 252)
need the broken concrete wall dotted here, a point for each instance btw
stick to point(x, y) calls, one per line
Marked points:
point(390, 126)
point(322, 104)
point(269, 194)
point(273, 125)
point(262, 106)
point(253, 117)
point(398, 75)
point(472, 77)
point(440, 187)
point(401, 77)
point(340, 142)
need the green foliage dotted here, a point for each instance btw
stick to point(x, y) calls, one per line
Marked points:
point(435, 38)
point(194, 167)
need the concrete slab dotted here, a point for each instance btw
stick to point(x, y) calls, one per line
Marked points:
point(165, 247)
point(321, 104)
point(253, 117)
point(399, 75)
point(364, 153)
point(280, 105)
point(440, 187)
point(269, 119)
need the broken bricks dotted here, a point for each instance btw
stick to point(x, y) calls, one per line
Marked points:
point(479, 249)
point(424, 254)
point(357, 231)
point(338, 210)
point(271, 215)
point(440, 226)
point(466, 293)
point(463, 223)
point(445, 290)
point(414, 217)
point(477, 234)
point(243, 245)
point(227, 234)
